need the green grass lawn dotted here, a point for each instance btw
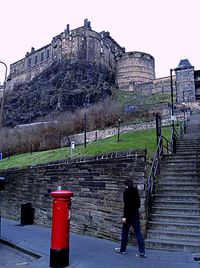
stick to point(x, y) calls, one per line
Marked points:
point(130, 140)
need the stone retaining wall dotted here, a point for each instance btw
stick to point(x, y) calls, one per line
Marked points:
point(97, 183)
point(92, 136)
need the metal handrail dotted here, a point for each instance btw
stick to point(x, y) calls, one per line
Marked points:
point(155, 167)
point(168, 147)
point(153, 170)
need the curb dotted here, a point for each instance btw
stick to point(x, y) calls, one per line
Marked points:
point(21, 249)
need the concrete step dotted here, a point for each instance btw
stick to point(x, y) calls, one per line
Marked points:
point(180, 197)
point(188, 145)
point(192, 162)
point(184, 154)
point(159, 209)
point(187, 150)
point(194, 147)
point(177, 186)
point(173, 169)
point(180, 160)
point(177, 235)
point(174, 226)
point(176, 179)
point(179, 165)
point(177, 204)
point(178, 172)
point(175, 218)
point(173, 181)
point(177, 190)
point(187, 141)
point(173, 244)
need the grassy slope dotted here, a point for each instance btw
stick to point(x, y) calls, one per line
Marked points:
point(138, 140)
point(130, 140)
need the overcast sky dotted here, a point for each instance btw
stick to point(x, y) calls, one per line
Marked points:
point(166, 29)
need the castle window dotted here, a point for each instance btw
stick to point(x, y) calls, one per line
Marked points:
point(42, 56)
point(47, 53)
point(35, 59)
point(29, 62)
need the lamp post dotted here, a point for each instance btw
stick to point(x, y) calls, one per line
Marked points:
point(176, 91)
point(172, 101)
point(3, 93)
point(118, 129)
point(184, 103)
point(85, 129)
point(181, 67)
point(184, 125)
point(172, 105)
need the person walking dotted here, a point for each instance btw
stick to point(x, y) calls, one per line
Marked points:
point(130, 218)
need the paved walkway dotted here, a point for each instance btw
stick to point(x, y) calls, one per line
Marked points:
point(87, 252)
point(10, 257)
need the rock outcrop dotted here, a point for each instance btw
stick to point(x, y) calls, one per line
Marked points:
point(66, 85)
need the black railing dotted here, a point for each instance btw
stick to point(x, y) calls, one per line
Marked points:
point(164, 147)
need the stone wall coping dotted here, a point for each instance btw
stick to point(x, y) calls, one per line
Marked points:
point(138, 153)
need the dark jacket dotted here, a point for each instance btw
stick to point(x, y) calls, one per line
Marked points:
point(131, 201)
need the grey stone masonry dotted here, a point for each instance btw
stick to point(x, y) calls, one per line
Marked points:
point(97, 183)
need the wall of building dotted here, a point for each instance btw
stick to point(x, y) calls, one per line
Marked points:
point(163, 85)
point(197, 84)
point(97, 183)
point(185, 84)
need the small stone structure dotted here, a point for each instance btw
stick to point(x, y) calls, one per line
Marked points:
point(97, 183)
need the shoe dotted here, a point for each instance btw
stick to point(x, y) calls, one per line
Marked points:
point(141, 255)
point(117, 250)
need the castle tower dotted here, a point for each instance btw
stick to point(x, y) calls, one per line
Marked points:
point(185, 85)
point(133, 68)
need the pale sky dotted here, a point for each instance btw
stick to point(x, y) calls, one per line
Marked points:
point(166, 29)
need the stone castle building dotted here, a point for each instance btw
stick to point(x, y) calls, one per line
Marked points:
point(135, 71)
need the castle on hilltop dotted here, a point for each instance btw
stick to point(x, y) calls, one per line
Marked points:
point(134, 71)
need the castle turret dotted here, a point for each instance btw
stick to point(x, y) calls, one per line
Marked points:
point(87, 24)
point(134, 68)
point(67, 30)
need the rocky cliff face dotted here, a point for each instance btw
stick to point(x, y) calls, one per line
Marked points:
point(66, 85)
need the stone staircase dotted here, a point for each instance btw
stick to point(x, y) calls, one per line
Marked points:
point(174, 222)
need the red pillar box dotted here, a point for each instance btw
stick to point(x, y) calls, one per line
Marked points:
point(59, 252)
